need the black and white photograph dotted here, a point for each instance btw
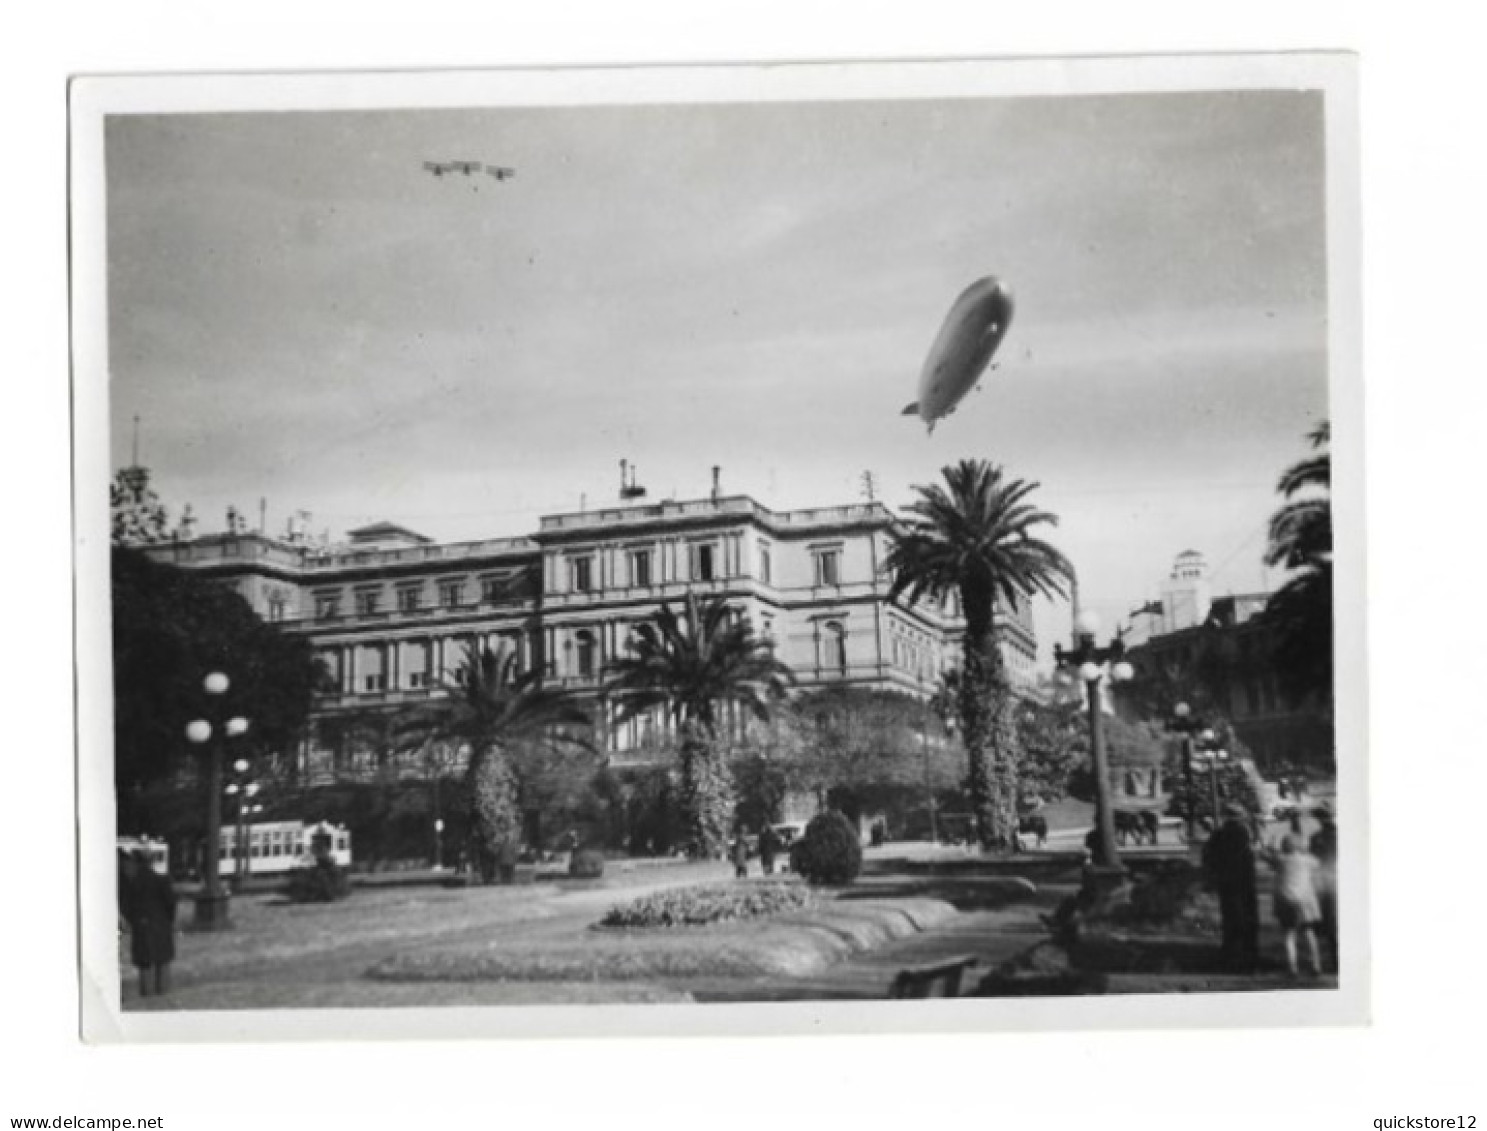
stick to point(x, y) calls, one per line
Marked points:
point(591, 550)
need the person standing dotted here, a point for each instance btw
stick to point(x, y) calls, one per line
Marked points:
point(740, 857)
point(1296, 901)
point(148, 904)
point(1324, 848)
point(1229, 860)
point(769, 848)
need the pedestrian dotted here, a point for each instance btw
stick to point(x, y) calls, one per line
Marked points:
point(740, 857)
point(1324, 847)
point(1296, 907)
point(1229, 860)
point(769, 848)
point(148, 905)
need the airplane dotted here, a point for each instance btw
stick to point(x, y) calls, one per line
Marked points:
point(972, 331)
point(500, 172)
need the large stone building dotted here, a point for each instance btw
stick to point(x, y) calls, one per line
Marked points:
point(392, 613)
point(1221, 647)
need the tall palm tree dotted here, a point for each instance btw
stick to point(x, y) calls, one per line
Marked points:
point(492, 708)
point(973, 536)
point(1301, 541)
point(695, 666)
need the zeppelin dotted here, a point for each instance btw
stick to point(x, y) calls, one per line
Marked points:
point(964, 346)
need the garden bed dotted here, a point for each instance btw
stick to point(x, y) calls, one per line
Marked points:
point(788, 945)
point(703, 904)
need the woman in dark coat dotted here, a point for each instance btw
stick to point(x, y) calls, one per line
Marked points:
point(1229, 859)
point(148, 904)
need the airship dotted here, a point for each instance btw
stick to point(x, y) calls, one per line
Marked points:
point(962, 349)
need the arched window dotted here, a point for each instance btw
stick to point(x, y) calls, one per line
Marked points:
point(587, 651)
point(834, 646)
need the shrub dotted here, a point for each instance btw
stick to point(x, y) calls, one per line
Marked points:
point(709, 903)
point(829, 851)
point(586, 864)
point(324, 881)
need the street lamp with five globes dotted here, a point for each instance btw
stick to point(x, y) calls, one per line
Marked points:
point(212, 903)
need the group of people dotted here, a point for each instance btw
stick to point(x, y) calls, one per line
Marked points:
point(147, 910)
point(770, 847)
point(1305, 892)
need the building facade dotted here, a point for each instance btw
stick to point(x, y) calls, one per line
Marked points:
point(392, 613)
point(1221, 648)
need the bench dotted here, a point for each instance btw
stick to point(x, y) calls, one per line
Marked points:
point(940, 980)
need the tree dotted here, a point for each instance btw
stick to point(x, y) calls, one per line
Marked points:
point(1301, 541)
point(696, 667)
point(138, 515)
point(496, 710)
point(170, 629)
point(973, 536)
point(1051, 738)
point(865, 749)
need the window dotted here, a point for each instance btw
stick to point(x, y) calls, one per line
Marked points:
point(586, 652)
point(828, 567)
point(409, 598)
point(640, 567)
point(834, 647)
point(370, 665)
point(492, 589)
point(766, 628)
point(327, 606)
point(702, 562)
point(581, 574)
point(766, 570)
point(368, 602)
point(418, 665)
point(277, 603)
point(451, 594)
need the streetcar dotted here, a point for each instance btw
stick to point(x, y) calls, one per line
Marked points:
point(275, 847)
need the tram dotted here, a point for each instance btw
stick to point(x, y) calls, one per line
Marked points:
point(276, 847)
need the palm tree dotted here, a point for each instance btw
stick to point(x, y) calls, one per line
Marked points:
point(1301, 540)
point(695, 666)
point(973, 537)
point(493, 709)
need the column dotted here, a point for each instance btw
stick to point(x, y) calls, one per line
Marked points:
point(351, 669)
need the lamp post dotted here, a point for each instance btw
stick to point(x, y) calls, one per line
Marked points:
point(1185, 724)
point(244, 791)
point(1212, 755)
point(1094, 664)
point(212, 903)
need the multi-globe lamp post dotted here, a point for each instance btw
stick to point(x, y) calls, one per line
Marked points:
point(1094, 665)
point(1194, 730)
point(212, 903)
point(244, 791)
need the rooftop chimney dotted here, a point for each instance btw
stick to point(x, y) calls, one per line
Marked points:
point(717, 487)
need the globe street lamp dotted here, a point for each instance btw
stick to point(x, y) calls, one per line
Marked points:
point(244, 792)
point(1212, 755)
point(1094, 665)
point(211, 904)
point(1185, 724)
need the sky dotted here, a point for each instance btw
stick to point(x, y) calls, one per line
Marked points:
point(299, 312)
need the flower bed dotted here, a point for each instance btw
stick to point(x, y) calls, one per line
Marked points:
point(709, 903)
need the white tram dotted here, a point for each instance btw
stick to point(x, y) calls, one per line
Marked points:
point(277, 846)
